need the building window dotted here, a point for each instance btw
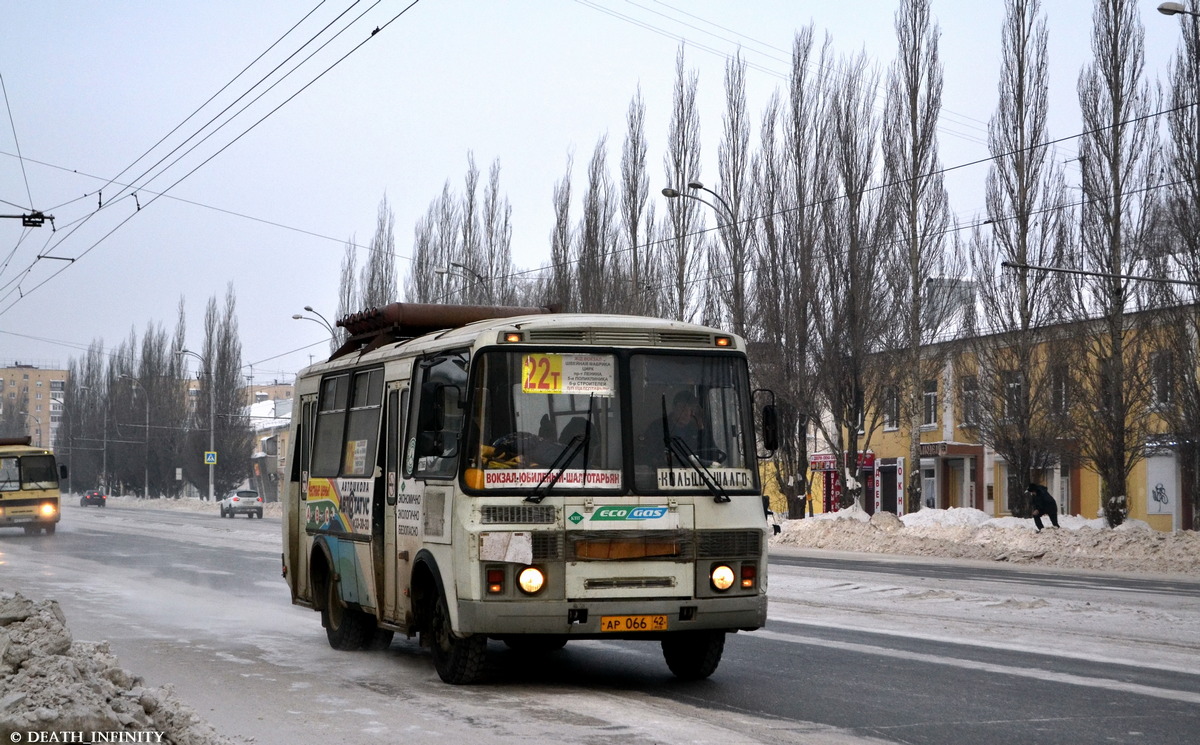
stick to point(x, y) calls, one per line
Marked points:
point(969, 392)
point(1012, 402)
point(930, 398)
point(891, 408)
point(1162, 369)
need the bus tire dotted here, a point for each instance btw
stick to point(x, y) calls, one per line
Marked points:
point(458, 660)
point(345, 627)
point(50, 529)
point(693, 655)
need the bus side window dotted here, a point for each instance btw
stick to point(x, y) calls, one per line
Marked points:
point(433, 447)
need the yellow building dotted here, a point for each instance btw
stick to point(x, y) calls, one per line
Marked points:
point(956, 469)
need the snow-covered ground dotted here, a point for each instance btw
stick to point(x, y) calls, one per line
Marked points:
point(971, 534)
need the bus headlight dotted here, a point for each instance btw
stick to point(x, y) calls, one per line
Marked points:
point(722, 577)
point(48, 510)
point(531, 580)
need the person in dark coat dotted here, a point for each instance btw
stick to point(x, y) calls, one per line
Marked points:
point(1043, 505)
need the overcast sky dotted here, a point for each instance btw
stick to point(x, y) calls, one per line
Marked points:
point(269, 207)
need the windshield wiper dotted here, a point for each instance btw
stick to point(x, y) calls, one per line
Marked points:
point(565, 456)
point(688, 456)
point(676, 446)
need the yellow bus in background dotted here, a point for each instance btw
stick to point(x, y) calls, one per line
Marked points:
point(29, 496)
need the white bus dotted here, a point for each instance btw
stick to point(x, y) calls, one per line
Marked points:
point(469, 473)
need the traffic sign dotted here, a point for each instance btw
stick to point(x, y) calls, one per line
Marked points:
point(210, 457)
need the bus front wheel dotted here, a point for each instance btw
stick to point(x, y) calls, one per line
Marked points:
point(694, 655)
point(458, 660)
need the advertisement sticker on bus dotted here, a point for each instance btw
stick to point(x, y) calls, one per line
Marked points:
point(340, 505)
point(584, 374)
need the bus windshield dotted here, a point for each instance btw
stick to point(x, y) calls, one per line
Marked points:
point(27, 472)
point(691, 426)
point(545, 413)
point(558, 416)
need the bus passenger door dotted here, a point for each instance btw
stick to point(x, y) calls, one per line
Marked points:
point(300, 543)
point(397, 555)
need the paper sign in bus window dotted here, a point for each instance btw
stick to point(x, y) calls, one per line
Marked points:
point(584, 374)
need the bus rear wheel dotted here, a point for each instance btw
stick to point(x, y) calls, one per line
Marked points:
point(458, 660)
point(694, 655)
point(345, 627)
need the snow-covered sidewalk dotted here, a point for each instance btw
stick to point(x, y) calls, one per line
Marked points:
point(972, 534)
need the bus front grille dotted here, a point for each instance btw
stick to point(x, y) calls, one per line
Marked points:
point(523, 514)
point(728, 544)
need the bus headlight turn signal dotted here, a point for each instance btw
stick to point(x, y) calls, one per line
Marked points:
point(722, 577)
point(531, 580)
point(48, 510)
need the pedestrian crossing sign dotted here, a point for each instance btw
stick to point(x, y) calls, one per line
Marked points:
point(210, 457)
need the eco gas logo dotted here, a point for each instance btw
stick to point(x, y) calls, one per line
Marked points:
point(629, 513)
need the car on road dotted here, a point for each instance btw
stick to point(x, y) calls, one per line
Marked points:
point(242, 502)
point(94, 496)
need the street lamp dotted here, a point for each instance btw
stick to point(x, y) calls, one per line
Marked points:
point(322, 324)
point(146, 458)
point(446, 270)
point(1170, 9)
point(724, 214)
point(211, 416)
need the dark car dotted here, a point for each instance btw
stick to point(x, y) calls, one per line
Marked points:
point(95, 496)
point(242, 502)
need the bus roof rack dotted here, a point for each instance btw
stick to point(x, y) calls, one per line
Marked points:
point(372, 328)
point(26, 440)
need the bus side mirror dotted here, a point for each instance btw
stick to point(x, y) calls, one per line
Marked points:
point(770, 427)
point(62, 471)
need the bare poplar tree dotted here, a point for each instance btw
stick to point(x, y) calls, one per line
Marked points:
point(378, 280)
point(222, 352)
point(348, 299)
point(921, 209)
point(635, 216)
point(595, 238)
point(1118, 158)
point(562, 274)
point(496, 265)
point(1016, 402)
point(734, 202)
point(851, 295)
point(789, 174)
point(682, 257)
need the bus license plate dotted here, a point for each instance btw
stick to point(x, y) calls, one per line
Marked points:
point(633, 623)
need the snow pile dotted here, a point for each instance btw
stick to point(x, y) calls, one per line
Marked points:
point(971, 534)
point(50, 684)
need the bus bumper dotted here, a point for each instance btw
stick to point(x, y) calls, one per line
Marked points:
point(582, 619)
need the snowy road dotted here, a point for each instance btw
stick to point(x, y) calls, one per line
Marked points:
point(856, 651)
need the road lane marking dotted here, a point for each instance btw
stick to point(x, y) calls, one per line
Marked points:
point(1024, 672)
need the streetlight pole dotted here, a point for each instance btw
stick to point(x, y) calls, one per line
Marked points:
point(211, 416)
point(478, 277)
point(104, 435)
point(725, 213)
point(324, 324)
point(146, 453)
